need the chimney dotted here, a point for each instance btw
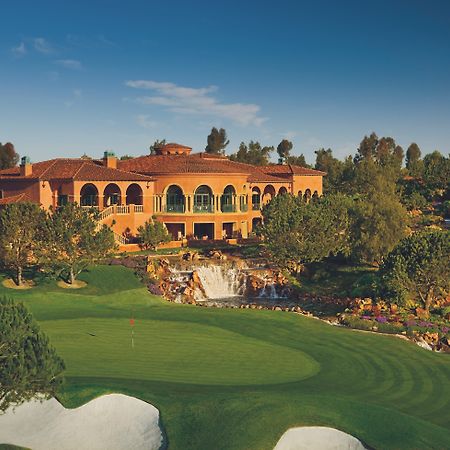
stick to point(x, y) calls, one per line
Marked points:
point(26, 168)
point(110, 160)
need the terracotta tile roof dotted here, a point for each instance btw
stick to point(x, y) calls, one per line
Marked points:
point(14, 199)
point(290, 169)
point(174, 164)
point(76, 169)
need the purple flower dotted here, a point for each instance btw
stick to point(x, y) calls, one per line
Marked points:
point(366, 317)
point(410, 323)
point(445, 329)
point(381, 319)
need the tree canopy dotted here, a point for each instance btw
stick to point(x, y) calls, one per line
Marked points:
point(217, 141)
point(8, 156)
point(253, 153)
point(284, 149)
point(153, 233)
point(418, 269)
point(296, 232)
point(20, 236)
point(29, 365)
point(157, 144)
point(75, 241)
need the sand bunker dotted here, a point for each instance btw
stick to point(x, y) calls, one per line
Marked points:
point(317, 438)
point(77, 284)
point(11, 284)
point(109, 422)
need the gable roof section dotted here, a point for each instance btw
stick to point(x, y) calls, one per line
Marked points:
point(290, 169)
point(199, 163)
point(75, 169)
point(22, 197)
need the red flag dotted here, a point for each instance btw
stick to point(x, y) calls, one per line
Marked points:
point(132, 322)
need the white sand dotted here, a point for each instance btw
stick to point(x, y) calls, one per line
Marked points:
point(317, 438)
point(109, 422)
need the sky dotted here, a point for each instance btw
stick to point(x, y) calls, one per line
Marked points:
point(85, 77)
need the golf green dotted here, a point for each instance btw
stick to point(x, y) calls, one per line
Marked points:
point(238, 379)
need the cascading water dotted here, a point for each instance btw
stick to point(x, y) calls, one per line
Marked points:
point(221, 281)
point(216, 284)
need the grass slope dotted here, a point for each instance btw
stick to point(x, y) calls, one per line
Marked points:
point(237, 379)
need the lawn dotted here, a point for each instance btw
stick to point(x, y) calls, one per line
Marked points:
point(237, 379)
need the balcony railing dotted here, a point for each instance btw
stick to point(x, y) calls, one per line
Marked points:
point(174, 208)
point(138, 208)
point(203, 208)
point(228, 208)
point(256, 206)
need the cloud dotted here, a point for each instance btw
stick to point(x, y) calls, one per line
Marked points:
point(71, 64)
point(186, 100)
point(144, 121)
point(20, 50)
point(42, 46)
point(77, 93)
point(288, 135)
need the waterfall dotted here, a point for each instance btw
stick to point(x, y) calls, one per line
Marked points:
point(269, 290)
point(221, 281)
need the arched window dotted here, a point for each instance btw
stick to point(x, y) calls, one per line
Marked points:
point(315, 195)
point(134, 195)
point(111, 195)
point(300, 194)
point(269, 193)
point(256, 199)
point(89, 195)
point(282, 190)
point(175, 199)
point(203, 199)
point(307, 195)
point(227, 202)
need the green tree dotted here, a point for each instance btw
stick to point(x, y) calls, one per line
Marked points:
point(436, 170)
point(413, 162)
point(297, 160)
point(76, 241)
point(20, 236)
point(157, 144)
point(217, 141)
point(29, 365)
point(296, 232)
point(153, 233)
point(326, 162)
point(8, 156)
point(367, 148)
point(253, 153)
point(418, 269)
point(284, 149)
point(379, 222)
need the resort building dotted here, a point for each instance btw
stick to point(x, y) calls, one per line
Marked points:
point(196, 195)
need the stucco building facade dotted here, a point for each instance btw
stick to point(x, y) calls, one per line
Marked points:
point(196, 195)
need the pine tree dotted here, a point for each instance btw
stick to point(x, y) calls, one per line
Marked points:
point(29, 365)
point(217, 141)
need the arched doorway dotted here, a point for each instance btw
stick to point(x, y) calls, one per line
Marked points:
point(315, 195)
point(227, 201)
point(112, 195)
point(89, 195)
point(269, 193)
point(134, 195)
point(256, 199)
point(282, 190)
point(203, 199)
point(175, 199)
point(300, 194)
